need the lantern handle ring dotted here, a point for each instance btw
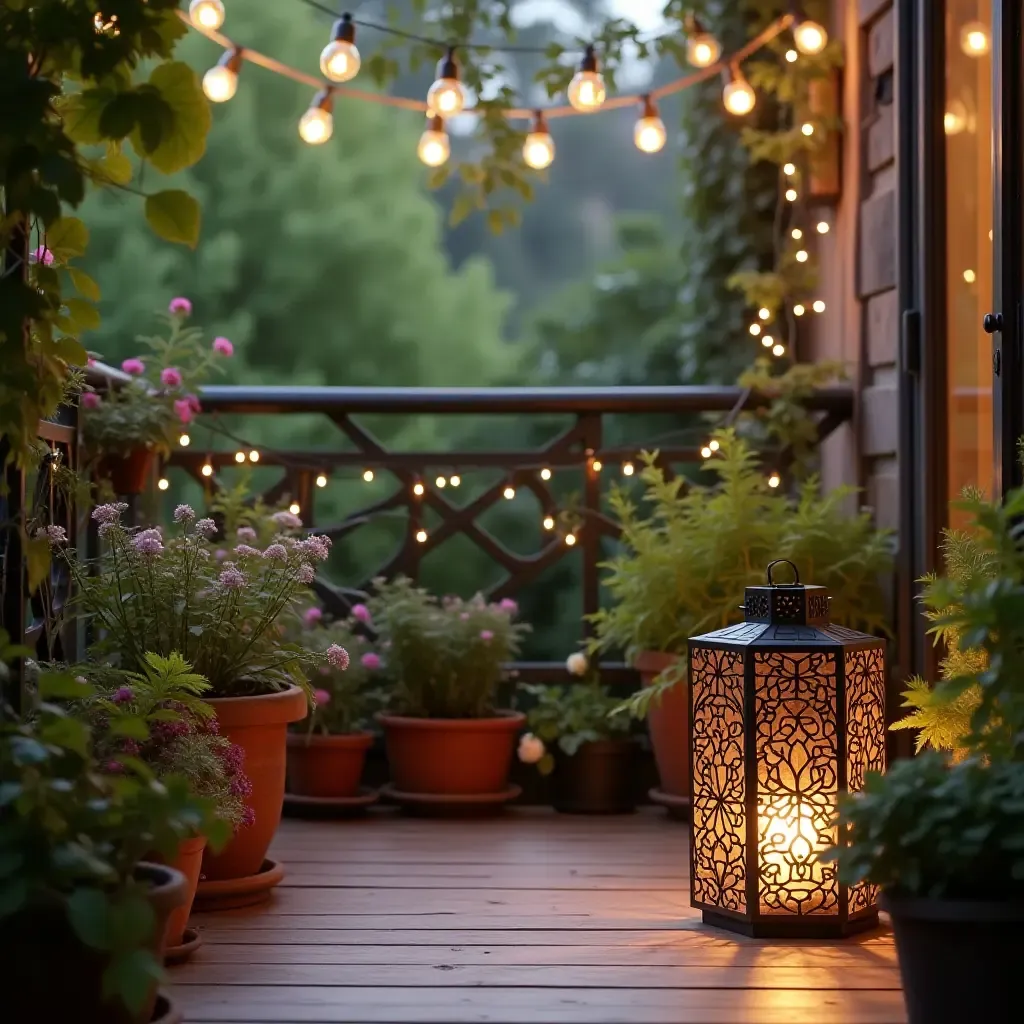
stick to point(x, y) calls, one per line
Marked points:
point(783, 561)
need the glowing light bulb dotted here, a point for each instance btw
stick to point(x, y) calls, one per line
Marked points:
point(738, 95)
point(818, 306)
point(774, 480)
point(184, 440)
point(434, 147)
point(239, 457)
point(455, 480)
point(316, 125)
point(779, 350)
point(810, 37)
point(441, 482)
point(764, 312)
point(767, 341)
point(649, 133)
point(220, 83)
point(822, 227)
point(755, 329)
point(208, 14)
point(321, 480)
point(421, 536)
point(796, 233)
point(254, 456)
point(801, 256)
point(714, 445)
point(294, 508)
point(705, 452)
point(163, 483)
point(628, 469)
point(799, 309)
point(791, 56)
point(548, 523)
point(447, 96)
point(597, 465)
point(339, 59)
point(368, 475)
point(417, 489)
point(969, 276)
point(545, 473)
point(953, 121)
point(509, 493)
point(974, 39)
point(207, 469)
point(807, 128)
point(539, 147)
point(702, 48)
point(791, 195)
point(789, 170)
point(570, 539)
point(586, 91)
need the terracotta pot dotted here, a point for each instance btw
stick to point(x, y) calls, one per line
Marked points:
point(597, 779)
point(259, 725)
point(53, 977)
point(451, 756)
point(668, 722)
point(189, 862)
point(127, 473)
point(326, 766)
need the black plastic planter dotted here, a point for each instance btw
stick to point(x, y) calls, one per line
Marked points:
point(959, 960)
point(597, 779)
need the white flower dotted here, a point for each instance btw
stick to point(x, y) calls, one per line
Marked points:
point(576, 664)
point(531, 749)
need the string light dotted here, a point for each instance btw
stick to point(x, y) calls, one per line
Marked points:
point(791, 56)
point(822, 227)
point(706, 452)
point(509, 493)
point(789, 170)
point(818, 306)
point(539, 147)
point(799, 309)
point(206, 14)
point(702, 48)
point(628, 469)
point(774, 480)
point(316, 125)
point(801, 256)
point(779, 350)
point(649, 133)
point(339, 59)
point(447, 96)
point(796, 233)
point(807, 128)
point(791, 194)
point(570, 539)
point(163, 483)
point(455, 480)
point(434, 147)
point(810, 37)
point(294, 508)
point(974, 39)
point(755, 329)
point(368, 475)
point(207, 469)
point(969, 276)
point(764, 312)
point(738, 96)
point(586, 92)
point(220, 83)
point(239, 457)
point(321, 480)
point(545, 473)
point(548, 523)
point(421, 536)
point(441, 482)
point(417, 489)
point(254, 456)
point(713, 445)
point(597, 465)
point(184, 440)
point(767, 341)
point(954, 120)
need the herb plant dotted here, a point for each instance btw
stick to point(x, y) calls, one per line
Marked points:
point(445, 657)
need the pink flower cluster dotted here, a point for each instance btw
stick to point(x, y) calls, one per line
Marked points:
point(54, 534)
point(136, 367)
point(311, 616)
point(371, 661)
point(110, 513)
point(317, 546)
point(184, 514)
point(180, 307)
point(223, 347)
point(277, 553)
point(170, 377)
point(148, 542)
point(305, 574)
point(287, 520)
point(245, 551)
point(246, 534)
point(123, 695)
point(90, 400)
point(41, 255)
point(337, 657)
point(322, 697)
point(206, 528)
point(231, 578)
point(361, 613)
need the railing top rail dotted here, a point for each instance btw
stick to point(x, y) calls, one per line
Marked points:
point(683, 398)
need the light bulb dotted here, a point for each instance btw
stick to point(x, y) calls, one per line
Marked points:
point(208, 14)
point(597, 465)
point(755, 329)
point(791, 195)
point(779, 350)
point(970, 277)
point(714, 445)
point(339, 59)
point(705, 452)
point(163, 483)
point(764, 312)
point(774, 480)
point(421, 536)
point(239, 457)
point(789, 170)
point(368, 475)
point(801, 256)
point(649, 133)
point(434, 147)
point(818, 306)
point(570, 539)
point(822, 227)
point(767, 341)
point(509, 493)
point(220, 83)
point(417, 489)
point(807, 128)
point(586, 91)
point(254, 456)
point(321, 481)
point(441, 482)
point(539, 147)
point(796, 233)
point(810, 37)
point(455, 480)
point(954, 120)
point(184, 440)
point(791, 56)
point(738, 96)
point(549, 523)
point(317, 124)
point(446, 96)
point(702, 48)
point(207, 469)
point(628, 469)
point(974, 39)
point(545, 473)
point(799, 309)
point(294, 508)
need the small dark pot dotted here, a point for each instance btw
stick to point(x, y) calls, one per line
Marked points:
point(958, 959)
point(597, 779)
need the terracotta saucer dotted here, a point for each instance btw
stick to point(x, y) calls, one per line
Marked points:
point(178, 954)
point(450, 803)
point(165, 1012)
point(232, 893)
point(678, 806)
point(297, 806)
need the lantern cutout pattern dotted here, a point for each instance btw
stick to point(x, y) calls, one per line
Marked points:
point(787, 712)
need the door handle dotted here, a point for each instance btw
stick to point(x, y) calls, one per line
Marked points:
point(993, 323)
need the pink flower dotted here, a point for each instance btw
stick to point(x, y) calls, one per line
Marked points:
point(231, 578)
point(287, 520)
point(148, 542)
point(109, 513)
point(312, 616)
point(316, 546)
point(322, 697)
point(41, 255)
point(183, 410)
point(247, 534)
point(370, 660)
point(305, 573)
point(193, 403)
point(337, 657)
point(223, 347)
point(245, 551)
point(180, 307)
point(220, 554)
point(171, 378)
point(508, 605)
point(361, 613)
point(277, 552)
point(122, 695)
point(232, 756)
point(134, 366)
point(54, 534)
point(130, 747)
point(248, 817)
point(206, 527)
point(486, 635)
point(184, 514)
point(240, 785)
point(90, 400)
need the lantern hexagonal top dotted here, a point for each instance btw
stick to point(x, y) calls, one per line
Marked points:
point(787, 711)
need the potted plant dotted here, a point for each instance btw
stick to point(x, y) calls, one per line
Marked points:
point(942, 836)
point(154, 593)
point(447, 742)
point(182, 740)
point(687, 555)
point(82, 917)
point(326, 753)
point(591, 766)
point(131, 422)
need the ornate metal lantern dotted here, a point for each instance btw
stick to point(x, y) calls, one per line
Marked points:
point(786, 712)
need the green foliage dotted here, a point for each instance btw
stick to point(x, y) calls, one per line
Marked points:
point(444, 657)
point(73, 836)
point(688, 556)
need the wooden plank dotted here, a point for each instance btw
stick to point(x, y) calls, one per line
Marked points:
point(387, 875)
point(206, 1004)
point(339, 878)
point(404, 921)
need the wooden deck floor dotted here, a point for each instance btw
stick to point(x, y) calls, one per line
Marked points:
point(532, 918)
